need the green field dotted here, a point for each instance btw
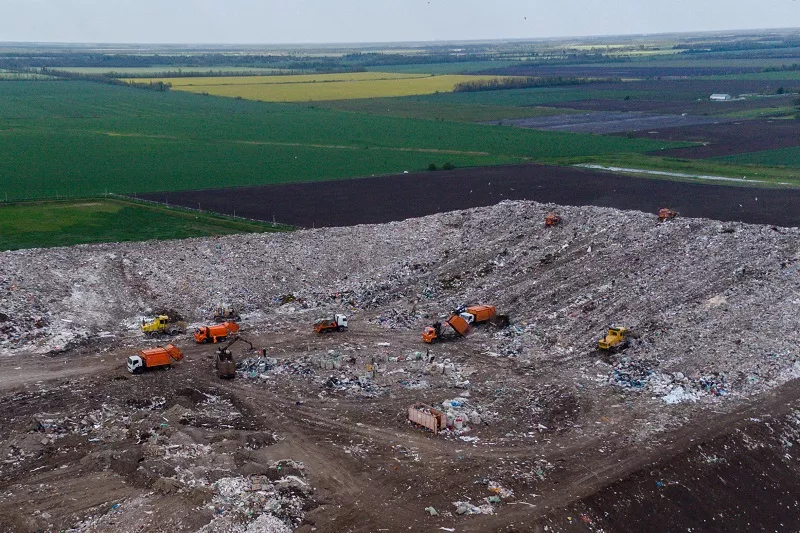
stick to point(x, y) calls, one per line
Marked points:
point(414, 108)
point(78, 139)
point(791, 75)
point(156, 71)
point(64, 223)
point(781, 157)
point(445, 68)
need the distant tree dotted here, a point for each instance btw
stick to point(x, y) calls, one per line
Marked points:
point(432, 166)
point(780, 90)
point(448, 166)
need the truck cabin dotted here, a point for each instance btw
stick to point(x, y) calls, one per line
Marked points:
point(134, 363)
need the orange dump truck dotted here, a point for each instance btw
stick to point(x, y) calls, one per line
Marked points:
point(215, 333)
point(153, 358)
point(461, 322)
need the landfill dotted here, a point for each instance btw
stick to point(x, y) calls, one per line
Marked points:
point(312, 434)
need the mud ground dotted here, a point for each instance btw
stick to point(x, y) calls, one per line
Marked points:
point(398, 197)
point(369, 469)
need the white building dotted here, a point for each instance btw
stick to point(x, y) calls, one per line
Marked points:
point(721, 97)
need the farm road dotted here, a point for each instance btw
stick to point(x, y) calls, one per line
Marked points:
point(397, 197)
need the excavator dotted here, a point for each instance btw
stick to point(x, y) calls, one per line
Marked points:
point(223, 360)
point(461, 321)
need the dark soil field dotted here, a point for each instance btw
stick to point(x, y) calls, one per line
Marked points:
point(693, 107)
point(730, 138)
point(391, 198)
point(697, 88)
point(608, 122)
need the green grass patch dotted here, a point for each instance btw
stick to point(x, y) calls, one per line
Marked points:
point(65, 223)
point(792, 75)
point(407, 108)
point(782, 157)
point(78, 139)
point(159, 70)
point(444, 68)
point(765, 112)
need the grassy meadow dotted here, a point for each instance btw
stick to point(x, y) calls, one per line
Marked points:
point(65, 223)
point(77, 139)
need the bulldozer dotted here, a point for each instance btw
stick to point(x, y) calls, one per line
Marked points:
point(227, 314)
point(615, 340)
point(161, 325)
point(665, 214)
point(223, 359)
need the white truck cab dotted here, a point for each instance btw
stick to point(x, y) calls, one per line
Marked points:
point(135, 363)
point(341, 320)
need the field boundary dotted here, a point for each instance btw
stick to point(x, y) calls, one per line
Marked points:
point(154, 204)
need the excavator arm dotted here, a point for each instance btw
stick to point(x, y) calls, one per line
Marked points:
point(236, 339)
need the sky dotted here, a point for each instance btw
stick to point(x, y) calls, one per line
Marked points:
point(355, 21)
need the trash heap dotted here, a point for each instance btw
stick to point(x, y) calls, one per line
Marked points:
point(258, 500)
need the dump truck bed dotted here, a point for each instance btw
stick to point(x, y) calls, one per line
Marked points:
point(427, 416)
point(482, 313)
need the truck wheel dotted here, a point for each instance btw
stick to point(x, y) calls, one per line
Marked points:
point(339, 328)
point(205, 341)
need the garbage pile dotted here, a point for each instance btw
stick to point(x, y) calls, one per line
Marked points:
point(279, 504)
point(694, 284)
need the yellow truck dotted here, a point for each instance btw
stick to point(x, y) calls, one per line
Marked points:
point(161, 325)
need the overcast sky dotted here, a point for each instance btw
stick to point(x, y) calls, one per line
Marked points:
point(348, 21)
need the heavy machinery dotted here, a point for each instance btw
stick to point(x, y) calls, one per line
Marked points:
point(552, 219)
point(154, 358)
point(337, 323)
point(666, 214)
point(162, 325)
point(462, 320)
point(215, 333)
point(223, 360)
point(615, 340)
point(225, 314)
